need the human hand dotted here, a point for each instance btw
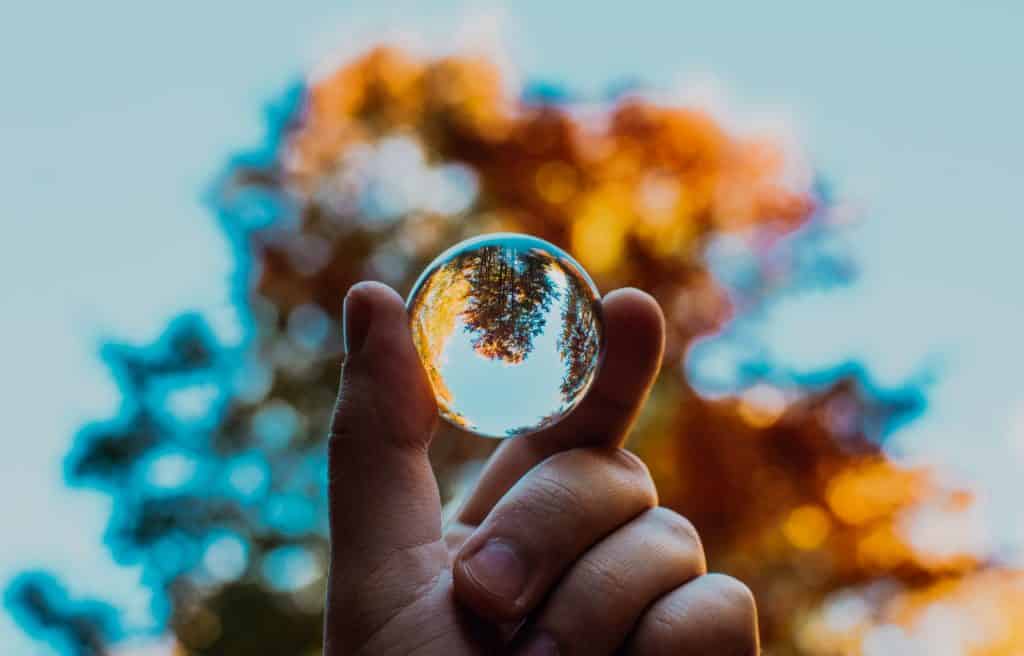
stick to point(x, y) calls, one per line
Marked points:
point(560, 548)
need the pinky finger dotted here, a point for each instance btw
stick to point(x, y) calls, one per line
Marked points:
point(713, 614)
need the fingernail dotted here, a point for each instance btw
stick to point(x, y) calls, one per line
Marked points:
point(498, 569)
point(355, 321)
point(540, 644)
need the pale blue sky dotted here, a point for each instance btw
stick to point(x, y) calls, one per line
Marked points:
point(116, 114)
point(480, 386)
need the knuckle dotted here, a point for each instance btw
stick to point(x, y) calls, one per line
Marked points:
point(734, 594)
point(603, 578)
point(627, 471)
point(738, 626)
point(682, 536)
point(631, 463)
point(583, 488)
point(680, 528)
point(633, 473)
point(552, 496)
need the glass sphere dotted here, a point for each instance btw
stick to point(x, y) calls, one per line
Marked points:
point(510, 333)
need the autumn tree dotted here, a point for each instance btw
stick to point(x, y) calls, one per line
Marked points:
point(373, 169)
point(509, 295)
point(579, 343)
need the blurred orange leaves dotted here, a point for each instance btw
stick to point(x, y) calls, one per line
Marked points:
point(640, 184)
point(788, 486)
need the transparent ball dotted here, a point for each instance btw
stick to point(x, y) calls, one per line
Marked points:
point(510, 333)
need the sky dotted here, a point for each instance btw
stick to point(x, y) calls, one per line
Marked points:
point(476, 382)
point(116, 115)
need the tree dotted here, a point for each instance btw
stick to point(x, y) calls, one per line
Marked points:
point(372, 170)
point(509, 292)
point(579, 343)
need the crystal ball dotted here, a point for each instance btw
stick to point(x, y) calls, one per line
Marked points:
point(510, 333)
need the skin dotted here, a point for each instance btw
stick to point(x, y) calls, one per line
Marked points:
point(560, 549)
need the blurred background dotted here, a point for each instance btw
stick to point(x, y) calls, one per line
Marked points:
point(823, 197)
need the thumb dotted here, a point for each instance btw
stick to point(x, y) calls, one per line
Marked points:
point(385, 510)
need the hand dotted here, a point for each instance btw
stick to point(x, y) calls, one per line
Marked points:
point(560, 549)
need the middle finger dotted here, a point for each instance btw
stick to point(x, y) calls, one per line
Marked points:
point(544, 523)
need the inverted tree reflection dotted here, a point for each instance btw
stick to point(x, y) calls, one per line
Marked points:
point(579, 341)
point(509, 294)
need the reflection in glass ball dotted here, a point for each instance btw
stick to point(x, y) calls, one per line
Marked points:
point(509, 330)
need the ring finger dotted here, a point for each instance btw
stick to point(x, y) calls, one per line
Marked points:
point(598, 602)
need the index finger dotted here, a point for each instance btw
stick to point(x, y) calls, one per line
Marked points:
point(635, 332)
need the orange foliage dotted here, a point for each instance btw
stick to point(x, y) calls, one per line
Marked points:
point(785, 497)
